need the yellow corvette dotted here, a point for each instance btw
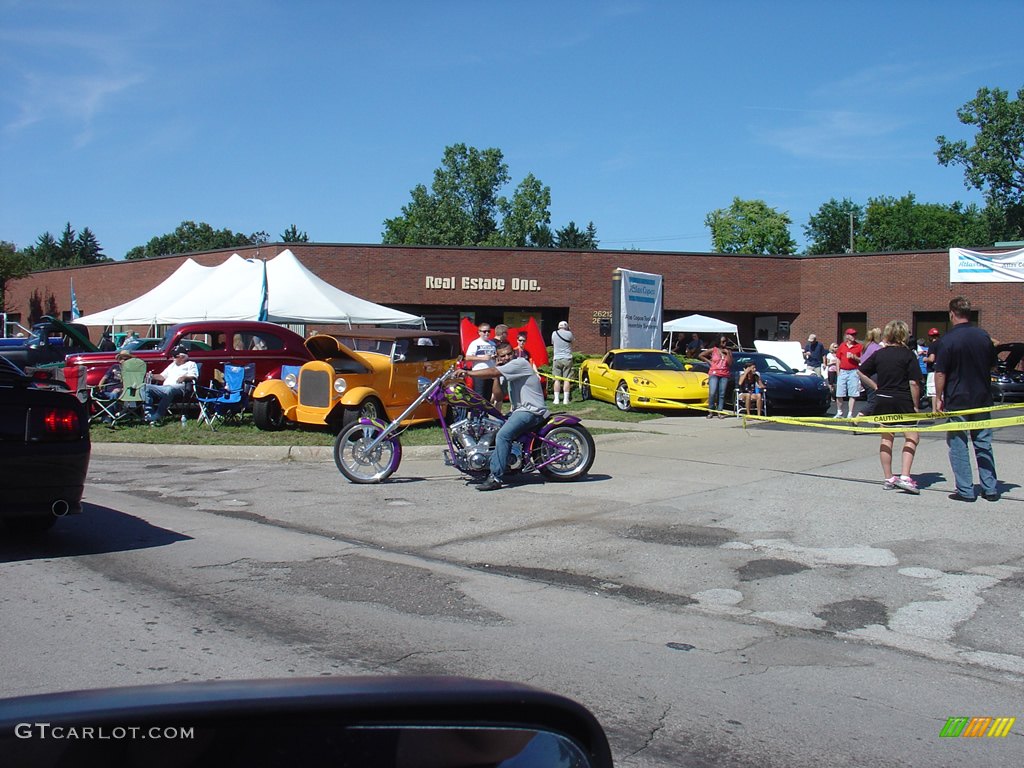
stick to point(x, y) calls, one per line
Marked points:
point(642, 378)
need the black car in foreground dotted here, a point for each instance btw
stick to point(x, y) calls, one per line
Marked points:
point(1007, 376)
point(788, 391)
point(44, 450)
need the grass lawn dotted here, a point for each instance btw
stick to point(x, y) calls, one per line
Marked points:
point(244, 432)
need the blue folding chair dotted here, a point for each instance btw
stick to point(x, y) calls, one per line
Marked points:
point(227, 401)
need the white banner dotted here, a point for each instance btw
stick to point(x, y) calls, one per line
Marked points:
point(640, 307)
point(973, 267)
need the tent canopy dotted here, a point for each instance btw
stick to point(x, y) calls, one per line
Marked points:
point(698, 324)
point(235, 289)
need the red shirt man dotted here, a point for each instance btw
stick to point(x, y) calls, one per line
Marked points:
point(849, 351)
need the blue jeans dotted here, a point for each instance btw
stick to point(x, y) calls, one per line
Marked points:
point(960, 457)
point(716, 392)
point(517, 423)
point(158, 399)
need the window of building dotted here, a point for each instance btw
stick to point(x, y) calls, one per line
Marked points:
point(856, 320)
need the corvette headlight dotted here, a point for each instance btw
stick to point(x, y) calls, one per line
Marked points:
point(340, 385)
point(642, 382)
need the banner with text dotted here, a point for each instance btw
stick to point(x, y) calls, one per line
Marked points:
point(640, 308)
point(973, 267)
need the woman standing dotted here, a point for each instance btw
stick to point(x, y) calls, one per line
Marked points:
point(832, 374)
point(898, 386)
point(719, 359)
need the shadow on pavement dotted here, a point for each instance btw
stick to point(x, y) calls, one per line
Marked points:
point(96, 530)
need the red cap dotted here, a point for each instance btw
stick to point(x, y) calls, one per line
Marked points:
point(851, 332)
point(933, 331)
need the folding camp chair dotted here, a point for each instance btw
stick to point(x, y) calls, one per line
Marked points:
point(123, 405)
point(222, 403)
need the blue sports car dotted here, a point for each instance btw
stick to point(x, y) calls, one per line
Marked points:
point(787, 390)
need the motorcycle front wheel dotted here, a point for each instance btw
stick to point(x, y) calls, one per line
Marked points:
point(360, 464)
point(576, 444)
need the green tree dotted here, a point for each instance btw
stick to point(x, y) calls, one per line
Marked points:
point(189, 237)
point(828, 230)
point(88, 248)
point(994, 163)
point(12, 266)
point(44, 254)
point(526, 217)
point(67, 247)
point(750, 226)
point(293, 235)
point(903, 224)
point(463, 205)
point(571, 237)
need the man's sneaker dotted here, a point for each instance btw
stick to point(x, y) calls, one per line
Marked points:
point(907, 484)
point(839, 415)
point(891, 483)
point(490, 484)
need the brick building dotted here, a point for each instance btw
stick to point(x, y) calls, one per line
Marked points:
point(762, 295)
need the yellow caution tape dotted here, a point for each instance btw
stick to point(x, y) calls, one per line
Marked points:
point(864, 425)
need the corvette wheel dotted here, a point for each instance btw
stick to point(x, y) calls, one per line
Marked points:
point(622, 396)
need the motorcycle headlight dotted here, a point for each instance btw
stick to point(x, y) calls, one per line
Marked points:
point(340, 385)
point(421, 384)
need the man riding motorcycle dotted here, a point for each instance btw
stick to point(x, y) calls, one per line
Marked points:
point(528, 408)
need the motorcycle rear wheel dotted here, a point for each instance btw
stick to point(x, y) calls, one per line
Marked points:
point(578, 443)
point(360, 465)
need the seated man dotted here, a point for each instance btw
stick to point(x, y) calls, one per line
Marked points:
point(171, 385)
point(694, 347)
point(110, 385)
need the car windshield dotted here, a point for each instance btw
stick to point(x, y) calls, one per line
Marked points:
point(764, 363)
point(646, 361)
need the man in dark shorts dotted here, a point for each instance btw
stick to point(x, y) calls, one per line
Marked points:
point(898, 391)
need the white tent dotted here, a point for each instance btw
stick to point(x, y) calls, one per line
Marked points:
point(234, 290)
point(699, 324)
point(140, 311)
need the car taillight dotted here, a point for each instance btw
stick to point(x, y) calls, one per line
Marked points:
point(53, 424)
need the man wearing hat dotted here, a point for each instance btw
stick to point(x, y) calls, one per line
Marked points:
point(848, 382)
point(561, 363)
point(170, 385)
point(814, 354)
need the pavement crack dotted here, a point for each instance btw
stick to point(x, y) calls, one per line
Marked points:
point(652, 733)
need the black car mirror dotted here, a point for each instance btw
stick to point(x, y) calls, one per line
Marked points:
point(385, 722)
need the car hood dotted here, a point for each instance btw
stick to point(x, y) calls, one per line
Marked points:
point(669, 378)
point(793, 381)
point(1014, 352)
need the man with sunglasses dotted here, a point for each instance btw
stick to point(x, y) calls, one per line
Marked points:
point(480, 355)
point(170, 385)
point(528, 409)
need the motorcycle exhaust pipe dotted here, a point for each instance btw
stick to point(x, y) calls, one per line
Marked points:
point(60, 508)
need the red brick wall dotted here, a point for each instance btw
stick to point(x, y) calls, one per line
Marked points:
point(810, 291)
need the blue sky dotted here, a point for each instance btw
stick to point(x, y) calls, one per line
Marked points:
point(641, 116)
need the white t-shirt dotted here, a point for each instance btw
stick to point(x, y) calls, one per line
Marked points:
point(480, 347)
point(174, 373)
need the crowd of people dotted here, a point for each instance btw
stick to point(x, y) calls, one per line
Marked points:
point(900, 372)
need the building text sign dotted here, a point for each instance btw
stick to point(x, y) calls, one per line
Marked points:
point(470, 283)
point(973, 267)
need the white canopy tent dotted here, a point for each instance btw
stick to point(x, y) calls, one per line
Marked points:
point(699, 324)
point(140, 311)
point(234, 290)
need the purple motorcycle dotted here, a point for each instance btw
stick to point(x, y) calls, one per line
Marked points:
point(370, 450)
